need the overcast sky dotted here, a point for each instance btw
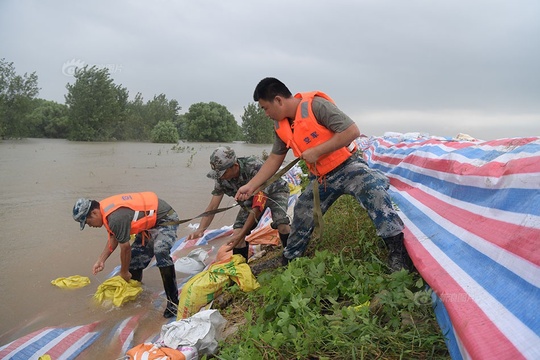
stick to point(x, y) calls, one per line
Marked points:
point(433, 66)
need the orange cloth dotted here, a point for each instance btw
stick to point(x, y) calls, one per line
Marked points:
point(149, 351)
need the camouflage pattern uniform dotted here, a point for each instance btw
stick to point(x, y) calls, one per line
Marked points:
point(277, 193)
point(352, 177)
point(158, 240)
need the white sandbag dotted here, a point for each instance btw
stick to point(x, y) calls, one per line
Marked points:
point(203, 331)
point(193, 263)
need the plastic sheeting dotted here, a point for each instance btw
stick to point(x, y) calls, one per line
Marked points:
point(58, 343)
point(472, 217)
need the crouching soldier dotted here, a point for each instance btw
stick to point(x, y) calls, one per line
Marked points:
point(152, 220)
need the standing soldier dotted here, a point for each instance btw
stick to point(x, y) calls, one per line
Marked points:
point(321, 134)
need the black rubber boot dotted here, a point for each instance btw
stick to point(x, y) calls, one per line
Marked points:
point(284, 238)
point(398, 258)
point(136, 274)
point(168, 276)
point(241, 251)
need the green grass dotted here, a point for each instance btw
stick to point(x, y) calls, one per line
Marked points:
point(338, 302)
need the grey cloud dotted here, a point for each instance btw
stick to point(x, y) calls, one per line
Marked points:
point(477, 59)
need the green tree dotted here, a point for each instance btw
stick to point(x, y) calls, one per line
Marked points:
point(16, 96)
point(210, 122)
point(256, 126)
point(142, 118)
point(97, 107)
point(49, 119)
point(161, 109)
point(165, 132)
point(181, 126)
point(135, 126)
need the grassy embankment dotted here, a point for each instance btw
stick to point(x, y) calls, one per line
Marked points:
point(338, 302)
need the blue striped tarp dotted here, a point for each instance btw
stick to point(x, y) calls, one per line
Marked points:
point(58, 343)
point(472, 216)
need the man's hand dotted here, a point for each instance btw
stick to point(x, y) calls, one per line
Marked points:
point(245, 192)
point(234, 242)
point(310, 155)
point(195, 235)
point(126, 275)
point(98, 266)
point(229, 246)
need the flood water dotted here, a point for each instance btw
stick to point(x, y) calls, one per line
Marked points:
point(40, 180)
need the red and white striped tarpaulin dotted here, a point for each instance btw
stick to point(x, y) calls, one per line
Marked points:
point(472, 216)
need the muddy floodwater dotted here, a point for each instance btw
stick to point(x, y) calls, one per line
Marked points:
point(40, 180)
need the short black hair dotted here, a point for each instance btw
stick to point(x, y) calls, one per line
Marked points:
point(268, 88)
point(93, 205)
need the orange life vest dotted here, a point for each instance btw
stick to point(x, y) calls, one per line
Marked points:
point(143, 202)
point(309, 133)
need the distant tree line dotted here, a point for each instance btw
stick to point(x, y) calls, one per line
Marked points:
point(96, 109)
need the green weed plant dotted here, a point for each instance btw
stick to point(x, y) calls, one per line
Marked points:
point(338, 302)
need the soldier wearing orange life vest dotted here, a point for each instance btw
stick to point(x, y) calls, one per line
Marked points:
point(309, 133)
point(149, 218)
point(323, 136)
point(145, 204)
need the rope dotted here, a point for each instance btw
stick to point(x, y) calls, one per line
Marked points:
point(206, 213)
point(318, 221)
point(275, 177)
point(278, 175)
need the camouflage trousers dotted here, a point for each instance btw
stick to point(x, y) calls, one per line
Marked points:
point(277, 201)
point(353, 177)
point(158, 242)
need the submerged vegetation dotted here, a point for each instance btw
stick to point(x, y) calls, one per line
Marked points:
point(338, 302)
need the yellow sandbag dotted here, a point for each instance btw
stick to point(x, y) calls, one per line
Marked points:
point(118, 290)
point(45, 357)
point(206, 285)
point(235, 268)
point(71, 282)
point(294, 189)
